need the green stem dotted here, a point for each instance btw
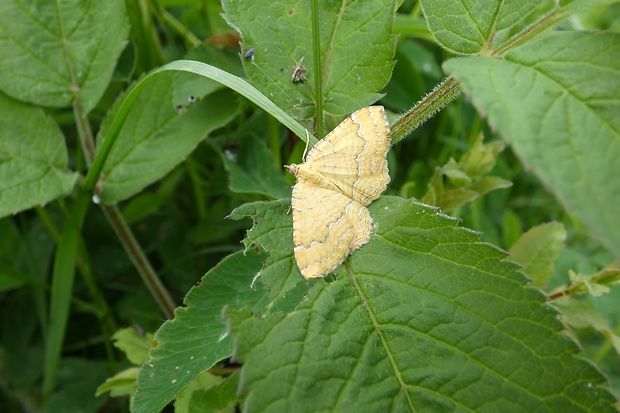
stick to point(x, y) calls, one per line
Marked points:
point(144, 33)
point(199, 195)
point(534, 30)
point(443, 94)
point(142, 264)
point(273, 128)
point(606, 347)
point(167, 18)
point(86, 137)
point(318, 72)
point(62, 290)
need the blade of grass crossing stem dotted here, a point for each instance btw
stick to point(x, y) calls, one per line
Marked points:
point(66, 254)
point(62, 289)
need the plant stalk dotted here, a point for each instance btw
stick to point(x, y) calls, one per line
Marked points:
point(443, 94)
point(135, 252)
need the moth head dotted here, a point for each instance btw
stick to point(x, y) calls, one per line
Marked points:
point(292, 168)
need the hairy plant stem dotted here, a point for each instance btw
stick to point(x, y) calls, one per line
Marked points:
point(443, 94)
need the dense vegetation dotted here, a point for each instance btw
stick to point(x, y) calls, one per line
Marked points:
point(142, 146)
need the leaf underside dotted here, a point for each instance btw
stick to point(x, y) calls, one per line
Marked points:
point(559, 111)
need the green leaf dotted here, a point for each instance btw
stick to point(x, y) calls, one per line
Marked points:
point(488, 184)
point(579, 314)
point(537, 250)
point(252, 168)
point(467, 26)
point(416, 71)
point(52, 52)
point(281, 34)
point(573, 6)
point(511, 227)
point(557, 102)
point(412, 26)
point(425, 318)
point(481, 158)
point(455, 198)
point(204, 381)
point(33, 158)
point(197, 337)
point(77, 386)
point(10, 241)
point(458, 183)
point(10, 278)
point(75, 397)
point(135, 346)
point(147, 203)
point(596, 285)
point(587, 283)
point(219, 398)
point(453, 173)
point(122, 383)
point(273, 231)
point(155, 137)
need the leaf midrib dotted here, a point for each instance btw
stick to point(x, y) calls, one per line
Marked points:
point(377, 327)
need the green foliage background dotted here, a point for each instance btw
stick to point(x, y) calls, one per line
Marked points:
point(130, 131)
